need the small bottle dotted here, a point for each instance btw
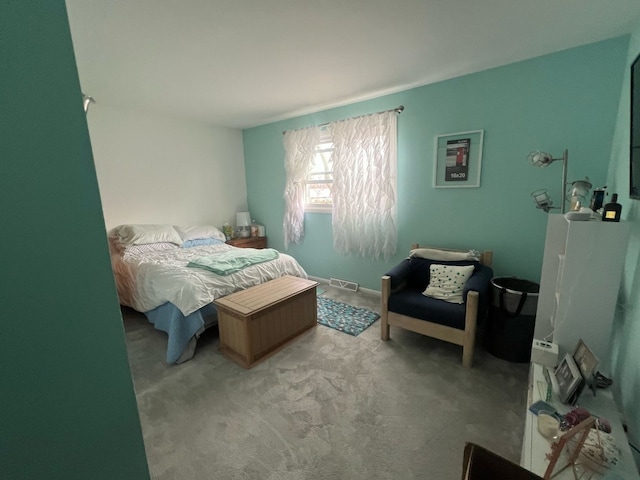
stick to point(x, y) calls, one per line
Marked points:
point(611, 211)
point(254, 228)
point(597, 198)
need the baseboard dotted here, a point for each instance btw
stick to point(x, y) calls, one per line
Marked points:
point(326, 281)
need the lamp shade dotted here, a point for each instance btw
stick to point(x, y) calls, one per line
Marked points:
point(243, 224)
point(243, 219)
point(542, 199)
point(539, 159)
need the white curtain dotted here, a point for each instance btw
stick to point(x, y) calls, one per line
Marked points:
point(364, 185)
point(299, 146)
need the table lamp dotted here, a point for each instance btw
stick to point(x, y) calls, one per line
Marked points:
point(243, 224)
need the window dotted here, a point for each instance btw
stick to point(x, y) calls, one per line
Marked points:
point(319, 181)
point(347, 169)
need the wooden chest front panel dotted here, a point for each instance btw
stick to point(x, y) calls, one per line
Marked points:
point(281, 323)
point(259, 321)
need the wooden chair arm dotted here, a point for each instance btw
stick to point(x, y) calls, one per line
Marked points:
point(470, 324)
point(385, 291)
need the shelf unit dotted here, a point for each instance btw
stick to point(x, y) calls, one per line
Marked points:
point(581, 272)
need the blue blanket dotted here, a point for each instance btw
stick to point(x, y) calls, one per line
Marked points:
point(179, 328)
point(233, 261)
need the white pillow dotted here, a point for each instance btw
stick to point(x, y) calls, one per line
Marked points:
point(149, 247)
point(444, 255)
point(198, 232)
point(131, 234)
point(447, 282)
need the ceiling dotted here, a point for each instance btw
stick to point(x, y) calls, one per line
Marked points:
point(242, 63)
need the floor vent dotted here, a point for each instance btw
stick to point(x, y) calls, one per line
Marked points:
point(346, 284)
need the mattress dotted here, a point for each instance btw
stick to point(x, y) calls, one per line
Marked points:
point(148, 280)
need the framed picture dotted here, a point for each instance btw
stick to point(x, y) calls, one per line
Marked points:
point(567, 378)
point(585, 360)
point(458, 159)
point(565, 452)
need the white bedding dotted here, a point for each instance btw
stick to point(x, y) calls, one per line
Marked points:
point(147, 280)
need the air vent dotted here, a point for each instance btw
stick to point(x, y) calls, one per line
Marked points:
point(346, 284)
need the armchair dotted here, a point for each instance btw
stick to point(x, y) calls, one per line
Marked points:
point(404, 305)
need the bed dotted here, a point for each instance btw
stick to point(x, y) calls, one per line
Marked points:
point(167, 273)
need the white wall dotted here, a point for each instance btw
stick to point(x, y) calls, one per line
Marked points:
point(160, 169)
point(625, 351)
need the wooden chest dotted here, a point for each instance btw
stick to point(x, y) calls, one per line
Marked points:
point(257, 322)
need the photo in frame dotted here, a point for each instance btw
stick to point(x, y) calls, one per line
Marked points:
point(458, 159)
point(587, 362)
point(585, 359)
point(566, 378)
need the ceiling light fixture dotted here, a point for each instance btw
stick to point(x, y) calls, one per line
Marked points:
point(86, 101)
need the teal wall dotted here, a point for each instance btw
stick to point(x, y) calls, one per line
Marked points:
point(564, 100)
point(626, 338)
point(68, 409)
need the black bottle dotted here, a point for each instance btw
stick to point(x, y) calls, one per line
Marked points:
point(611, 211)
point(596, 199)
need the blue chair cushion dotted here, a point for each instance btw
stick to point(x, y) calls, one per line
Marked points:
point(414, 273)
point(412, 303)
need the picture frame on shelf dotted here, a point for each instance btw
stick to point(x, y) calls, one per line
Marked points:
point(566, 378)
point(585, 359)
point(586, 362)
point(566, 450)
point(458, 159)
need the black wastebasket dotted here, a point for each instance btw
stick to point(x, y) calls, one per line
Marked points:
point(512, 318)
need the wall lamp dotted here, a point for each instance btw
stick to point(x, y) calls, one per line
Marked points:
point(541, 197)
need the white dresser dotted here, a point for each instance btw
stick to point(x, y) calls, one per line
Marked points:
point(581, 272)
point(535, 447)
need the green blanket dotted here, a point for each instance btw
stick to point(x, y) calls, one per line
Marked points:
point(227, 263)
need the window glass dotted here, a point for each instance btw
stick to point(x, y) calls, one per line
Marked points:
point(320, 179)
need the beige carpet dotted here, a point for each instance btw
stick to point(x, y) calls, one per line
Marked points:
point(329, 406)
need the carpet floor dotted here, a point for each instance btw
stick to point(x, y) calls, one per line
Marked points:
point(328, 406)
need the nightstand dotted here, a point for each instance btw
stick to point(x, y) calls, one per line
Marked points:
point(248, 242)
